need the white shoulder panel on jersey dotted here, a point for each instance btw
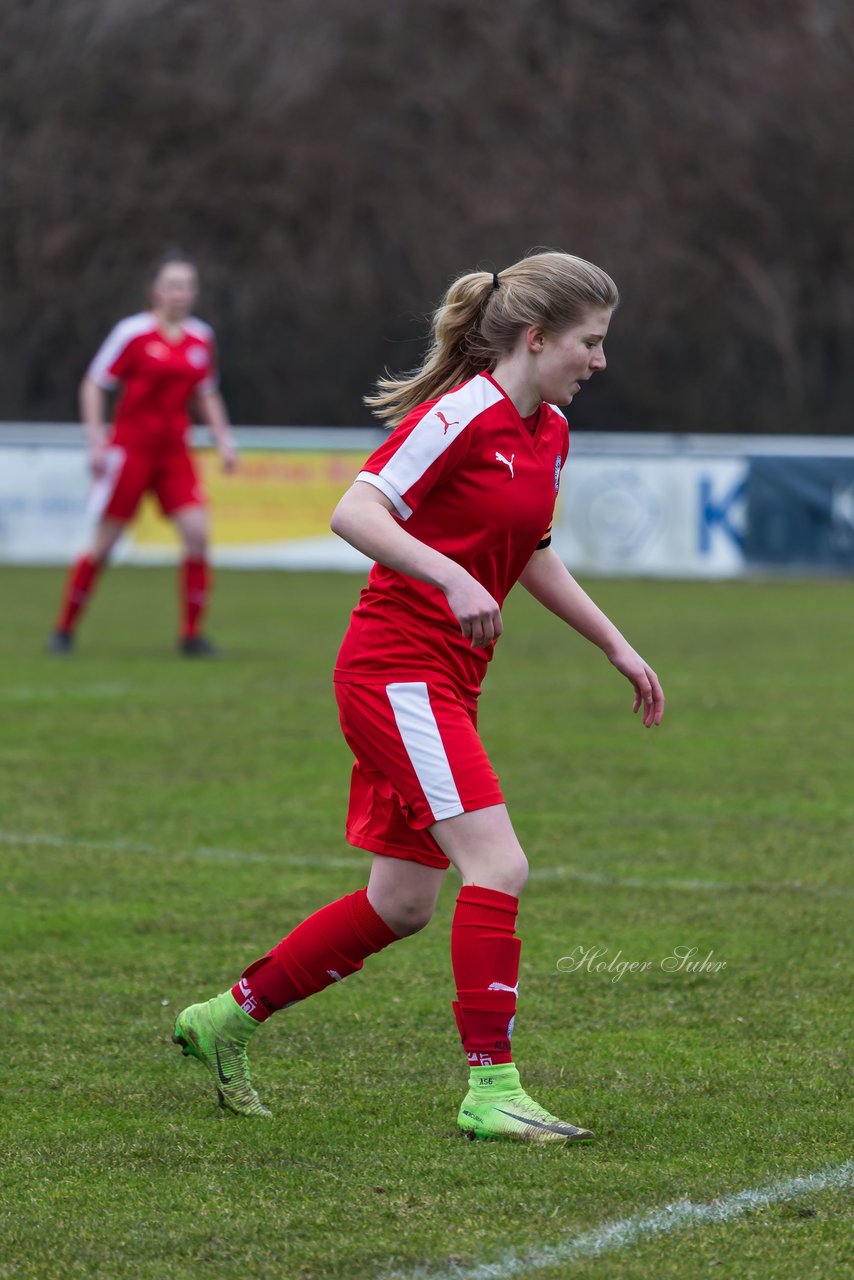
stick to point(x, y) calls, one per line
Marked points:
point(438, 429)
point(199, 328)
point(113, 346)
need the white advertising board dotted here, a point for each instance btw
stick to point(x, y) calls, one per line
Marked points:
point(671, 517)
point(43, 493)
point(657, 505)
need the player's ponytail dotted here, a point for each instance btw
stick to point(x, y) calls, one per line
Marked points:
point(481, 316)
point(451, 357)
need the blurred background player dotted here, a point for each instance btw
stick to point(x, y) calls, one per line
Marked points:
point(163, 362)
point(454, 507)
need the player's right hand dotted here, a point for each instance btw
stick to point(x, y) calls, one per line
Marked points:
point(98, 459)
point(477, 613)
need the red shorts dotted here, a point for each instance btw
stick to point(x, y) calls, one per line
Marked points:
point(130, 473)
point(418, 760)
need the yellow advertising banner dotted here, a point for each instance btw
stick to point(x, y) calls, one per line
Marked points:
point(275, 496)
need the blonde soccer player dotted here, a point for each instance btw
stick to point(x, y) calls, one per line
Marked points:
point(455, 507)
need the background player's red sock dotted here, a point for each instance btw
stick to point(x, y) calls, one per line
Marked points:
point(194, 585)
point(78, 587)
point(485, 957)
point(325, 948)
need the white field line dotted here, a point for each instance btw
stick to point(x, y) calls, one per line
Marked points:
point(49, 840)
point(284, 858)
point(689, 886)
point(682, 1215)
point(44, 693)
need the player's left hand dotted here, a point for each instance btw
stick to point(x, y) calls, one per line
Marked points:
point(229, 457)
point(648, 691)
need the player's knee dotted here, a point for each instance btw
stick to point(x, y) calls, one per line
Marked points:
point(102, 549)
point(192, 525)
point(508, 874)
point(195, 542)
point(410, 917)
point(516, 873)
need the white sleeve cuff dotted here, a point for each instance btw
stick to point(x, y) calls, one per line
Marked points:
point(390, 492)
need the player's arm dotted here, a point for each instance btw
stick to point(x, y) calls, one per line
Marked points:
point(364, 518)
point(548, 580)
point(93, 415)
point(211, 410)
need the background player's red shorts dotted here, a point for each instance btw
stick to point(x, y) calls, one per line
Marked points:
point(418, 759)
point(170, 475)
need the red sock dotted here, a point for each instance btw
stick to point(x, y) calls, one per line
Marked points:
point(194, 587)
point(485, 958)
point(78, 587)
point(325, 948)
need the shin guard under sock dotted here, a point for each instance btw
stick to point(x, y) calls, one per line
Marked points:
point(194, 585)
point(485, 957)
point(78, 587)
point(327, 947)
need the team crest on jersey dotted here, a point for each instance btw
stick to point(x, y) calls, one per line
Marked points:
point(157, 350)
point(558, 460)
point(197, 356)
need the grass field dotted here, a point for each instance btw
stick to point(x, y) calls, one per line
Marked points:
point(163, 822)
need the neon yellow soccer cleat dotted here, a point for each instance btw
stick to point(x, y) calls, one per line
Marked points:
point(217, 1033)
point(497, 1107)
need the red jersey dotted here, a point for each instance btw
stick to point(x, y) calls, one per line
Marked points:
point(469, 479)
point(157, 376)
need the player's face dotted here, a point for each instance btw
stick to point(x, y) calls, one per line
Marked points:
point(568, 359)
point(174, 290)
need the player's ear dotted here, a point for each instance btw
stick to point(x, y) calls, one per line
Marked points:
point(535, 336)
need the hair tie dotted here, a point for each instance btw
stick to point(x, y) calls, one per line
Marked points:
point(495, 279)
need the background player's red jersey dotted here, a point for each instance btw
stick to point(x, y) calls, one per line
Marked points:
point(469, 479)
point(157, 376)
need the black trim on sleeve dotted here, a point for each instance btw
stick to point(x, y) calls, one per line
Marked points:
point(546, 542)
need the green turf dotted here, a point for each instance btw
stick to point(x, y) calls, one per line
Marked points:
point(163, 822)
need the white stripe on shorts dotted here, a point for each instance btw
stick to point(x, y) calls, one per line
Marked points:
point(419, 731)
point(104, 487)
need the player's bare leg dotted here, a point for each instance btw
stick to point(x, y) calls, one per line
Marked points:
point(403, 893)
point(483, 846)
point(327, 947)
point(107, 534)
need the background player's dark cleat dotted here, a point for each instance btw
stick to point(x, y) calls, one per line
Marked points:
point(199, 647)
point(61, 643)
